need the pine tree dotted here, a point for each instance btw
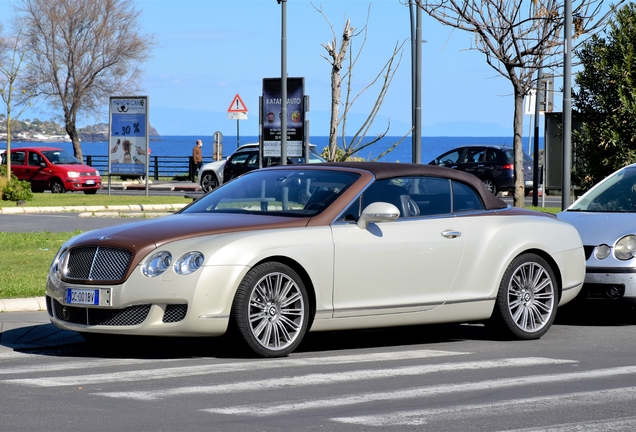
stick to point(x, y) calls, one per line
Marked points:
point(605, 101)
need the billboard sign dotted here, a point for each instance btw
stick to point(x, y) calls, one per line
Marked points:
point(128, 136)
point(271, 116)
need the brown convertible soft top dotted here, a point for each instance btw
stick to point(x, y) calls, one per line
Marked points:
point(387, 170)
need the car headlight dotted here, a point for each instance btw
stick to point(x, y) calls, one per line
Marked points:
point(97, 173)
point(602, 251)
point(625, 248)
point(73, 174)
point(157, 264)
point(58, 265)
point(189, 263)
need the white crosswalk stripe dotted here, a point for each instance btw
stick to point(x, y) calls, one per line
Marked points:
point(334, 378)
point(419, 392)
point(418, 417)
point(164, 373)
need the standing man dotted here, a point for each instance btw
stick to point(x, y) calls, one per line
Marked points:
point(197, 157)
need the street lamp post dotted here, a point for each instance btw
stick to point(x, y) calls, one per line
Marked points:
point(416, 81)
point(283, 83)
point(567, 106)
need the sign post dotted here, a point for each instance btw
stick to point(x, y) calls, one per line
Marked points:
point(237, 111)
point(128, 137)
point(271, 117)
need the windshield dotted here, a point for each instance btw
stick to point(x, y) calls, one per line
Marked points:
point(284, 192)
point(617, 193)
point(60, 157)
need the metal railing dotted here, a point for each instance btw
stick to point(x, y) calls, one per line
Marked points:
point(158, 166)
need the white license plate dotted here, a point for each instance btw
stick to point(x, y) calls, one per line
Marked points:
point(82, 296)
point(90, 182)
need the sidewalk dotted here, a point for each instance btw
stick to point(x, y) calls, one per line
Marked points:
point(117, 210)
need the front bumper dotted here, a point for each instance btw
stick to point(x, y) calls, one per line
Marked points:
point(610, 283)
point(82, 184)
point(193, 305)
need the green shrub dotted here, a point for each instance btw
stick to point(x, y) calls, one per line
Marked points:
point(17, 190)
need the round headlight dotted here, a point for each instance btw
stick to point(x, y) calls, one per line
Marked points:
point(157, 264)
point(189, 263)
point(625, 248)
point(59, 264)
point(602, 251)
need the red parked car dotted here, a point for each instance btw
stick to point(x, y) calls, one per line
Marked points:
point(50, 168)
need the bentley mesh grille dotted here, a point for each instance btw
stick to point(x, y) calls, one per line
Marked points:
point(98, 263)
point(130, 316)
point(175, 313)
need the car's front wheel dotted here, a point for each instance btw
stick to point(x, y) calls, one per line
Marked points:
point(491, 186)
point(209, 182)
point(57, 186)
point(528, 297)
point(271, 309)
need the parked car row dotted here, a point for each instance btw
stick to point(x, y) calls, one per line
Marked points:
point(50, 168)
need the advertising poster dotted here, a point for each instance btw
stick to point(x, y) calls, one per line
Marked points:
point(271, 121)
point(128, 140)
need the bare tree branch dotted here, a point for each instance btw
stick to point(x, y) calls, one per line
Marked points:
point(517, 38)
point(83, 52)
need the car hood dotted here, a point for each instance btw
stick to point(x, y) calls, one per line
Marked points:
point(156, 232)
point(76, 167)
point(596, 228)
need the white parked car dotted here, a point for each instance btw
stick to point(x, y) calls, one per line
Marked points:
point(605, 217)
point(284, 250)
point(244, 159)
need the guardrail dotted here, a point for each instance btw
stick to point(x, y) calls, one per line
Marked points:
point(158, 166)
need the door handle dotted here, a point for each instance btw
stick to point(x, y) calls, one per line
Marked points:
point(451, 234)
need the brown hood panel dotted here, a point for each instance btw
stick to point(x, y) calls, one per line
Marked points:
point(157, 232)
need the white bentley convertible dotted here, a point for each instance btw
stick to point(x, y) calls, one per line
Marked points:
point(290, 249)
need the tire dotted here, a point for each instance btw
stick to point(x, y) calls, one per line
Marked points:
point(90, 192)
point(57, 186)
point(527, 301)
point(209, 182)
point(271, 310)
point(491, 186)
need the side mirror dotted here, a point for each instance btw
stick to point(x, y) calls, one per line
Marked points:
point(378, 212)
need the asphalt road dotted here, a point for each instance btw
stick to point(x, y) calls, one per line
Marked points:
point(580, 376)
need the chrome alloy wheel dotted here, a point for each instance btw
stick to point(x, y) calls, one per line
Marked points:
point(276, 311)
point(531, 297)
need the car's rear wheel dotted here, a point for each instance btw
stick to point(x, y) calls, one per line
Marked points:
point(209, 182)
point(57, 186)
point(271, 310)
point(528, 297)
point(492, 187)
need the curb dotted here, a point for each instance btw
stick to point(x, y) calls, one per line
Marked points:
point(120, 209)
point(23, 305)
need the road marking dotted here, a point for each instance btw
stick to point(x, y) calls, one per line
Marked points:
point(517, 406)
point(163, 373)
point(420, 392)
point(332, 378)
point(87, 364)
point(626, 424)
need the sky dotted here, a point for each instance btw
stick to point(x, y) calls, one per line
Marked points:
point(207, 51)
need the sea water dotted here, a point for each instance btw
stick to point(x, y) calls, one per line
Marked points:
point(181, 145)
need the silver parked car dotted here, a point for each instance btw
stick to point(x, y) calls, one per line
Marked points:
point(606, 220)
